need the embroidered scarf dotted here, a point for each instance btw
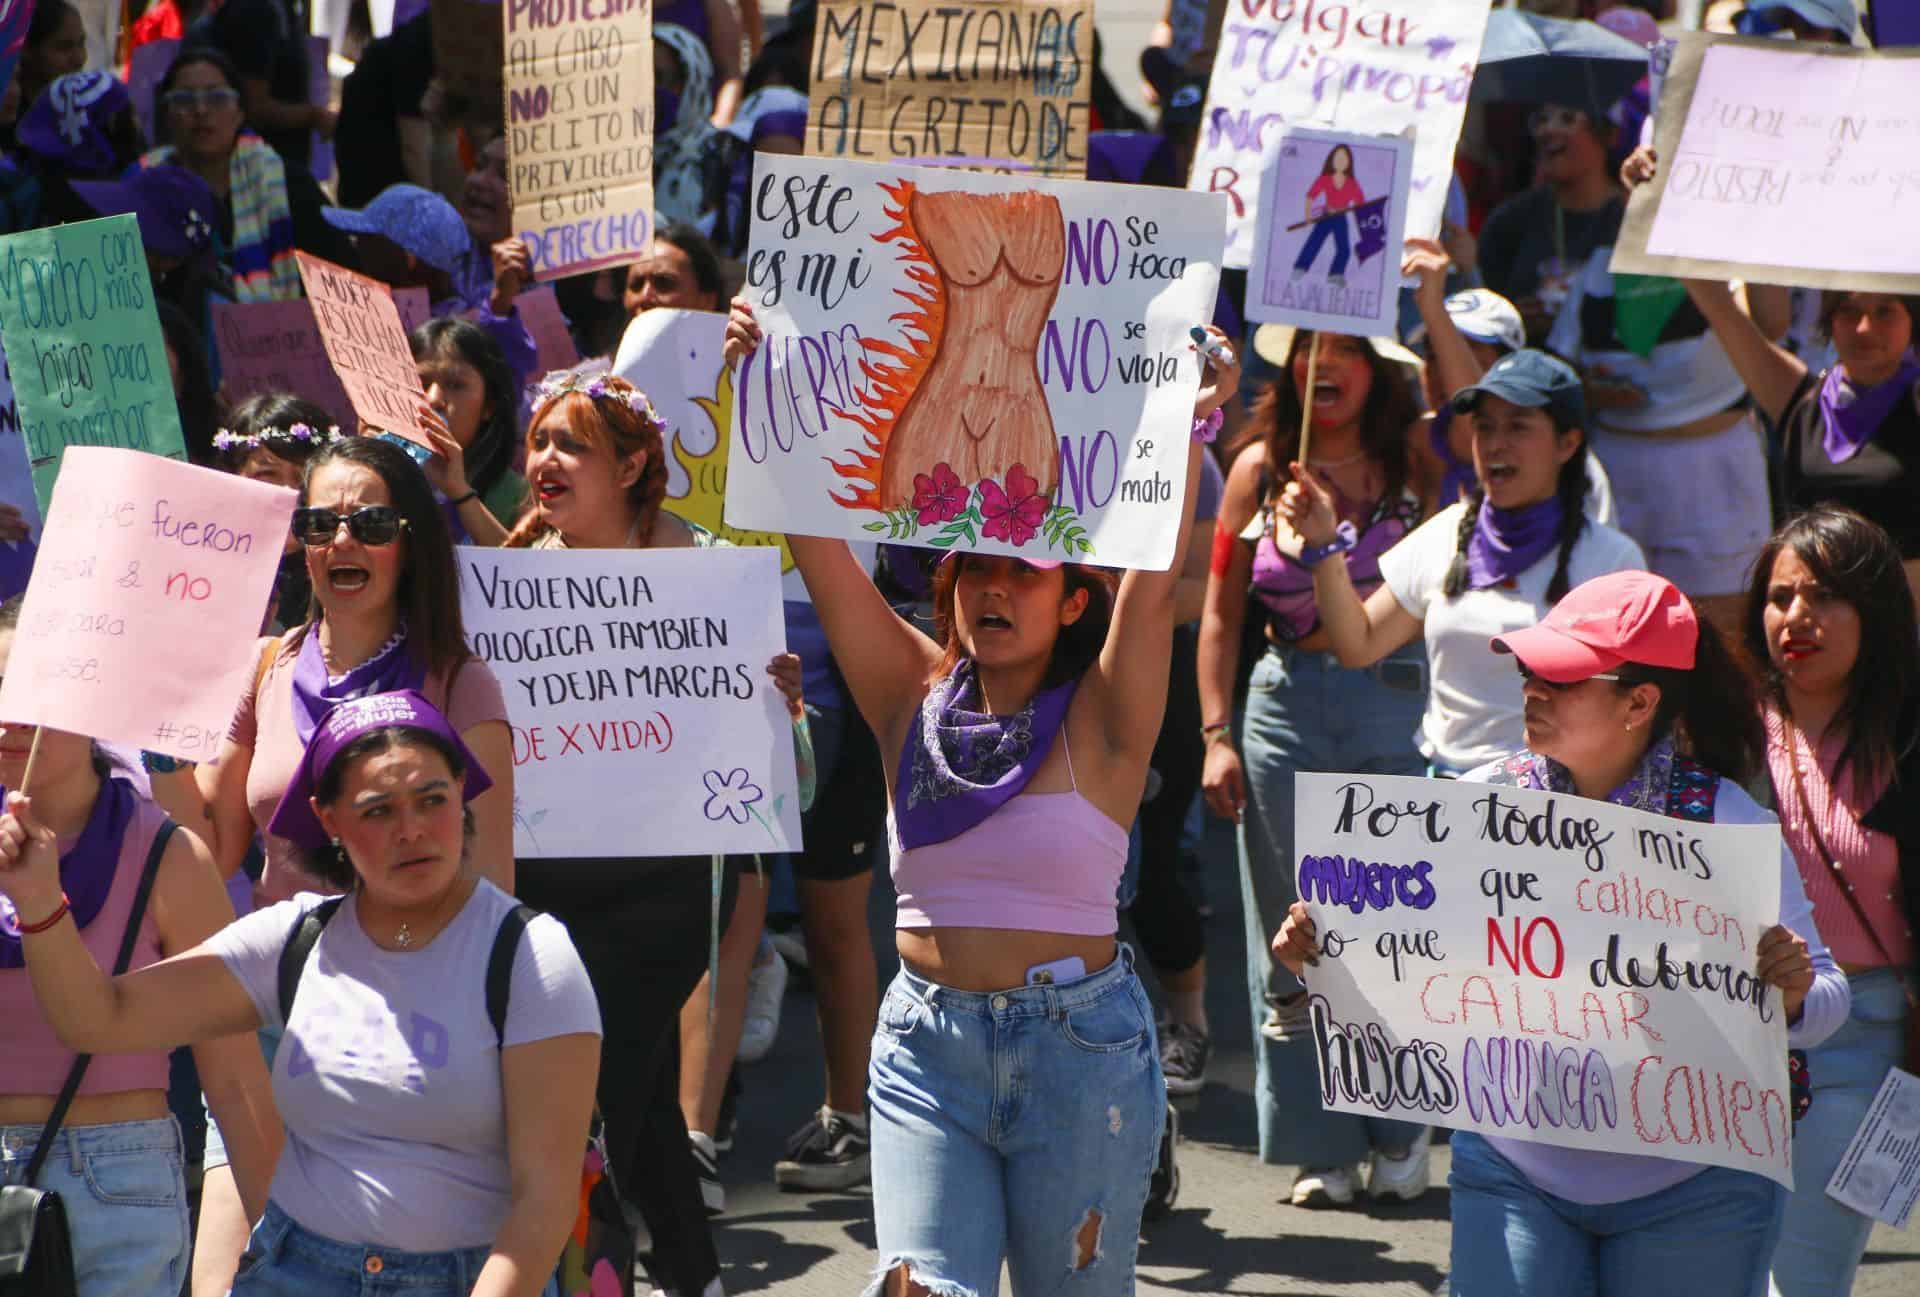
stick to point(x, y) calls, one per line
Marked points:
point(962, 764)
point(315, 693)
point(86, 871)
point(262, 252)
point(1506, 542)
point(1850, 415)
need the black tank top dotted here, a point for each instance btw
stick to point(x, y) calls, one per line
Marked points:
point(1881, 482)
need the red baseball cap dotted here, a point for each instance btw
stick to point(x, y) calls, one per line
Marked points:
point(1620, 617)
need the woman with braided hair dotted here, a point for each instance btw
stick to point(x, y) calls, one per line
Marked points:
point(1492, 563)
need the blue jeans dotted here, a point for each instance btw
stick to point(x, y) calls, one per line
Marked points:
point(124, 1188)
point(1335, 230)
point(1306, 712)
point(284, 1259)
point(1004, 1125)
point(1822, 1241)
point(1708, 1236)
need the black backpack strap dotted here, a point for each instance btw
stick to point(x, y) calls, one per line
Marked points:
point(506, 948)
point(135, 917)
point(301, 939)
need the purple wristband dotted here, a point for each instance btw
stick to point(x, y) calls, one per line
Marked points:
point(1205, 430)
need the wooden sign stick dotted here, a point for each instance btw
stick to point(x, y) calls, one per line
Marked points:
point(1306, 402)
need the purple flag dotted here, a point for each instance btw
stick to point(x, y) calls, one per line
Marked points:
point(1372, 220)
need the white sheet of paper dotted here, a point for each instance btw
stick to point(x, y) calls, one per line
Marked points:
point(1879, 1174)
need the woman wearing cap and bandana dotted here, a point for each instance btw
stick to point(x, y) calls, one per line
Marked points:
point(1630, 698)
point(433, 1135)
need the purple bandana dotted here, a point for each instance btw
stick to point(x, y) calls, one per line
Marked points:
point(1852, 415)
point(1649, 788)
point(1506, 542)
point(391, 669)
point(86, 872)
point(961, 765)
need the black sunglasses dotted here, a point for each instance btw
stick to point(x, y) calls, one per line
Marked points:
point(1528, 675)
point(377, 524)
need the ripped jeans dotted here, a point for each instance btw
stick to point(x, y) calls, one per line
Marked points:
point(1019, 1126)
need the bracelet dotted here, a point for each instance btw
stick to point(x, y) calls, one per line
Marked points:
point(1344, 539)
point(34, 929)
point(471, 495)
point(1208, 733)
point(1205, 430)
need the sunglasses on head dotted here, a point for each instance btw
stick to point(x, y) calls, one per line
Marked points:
point(1528, 676)
point(377, 524)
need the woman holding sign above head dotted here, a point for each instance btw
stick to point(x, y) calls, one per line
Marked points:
point(384, 615)
point(596, 459)
point(1830, 615)
point(116, 880)
point(1631, 698)
point(440, 1040)
point(1015, 1089)
point(1304, 710)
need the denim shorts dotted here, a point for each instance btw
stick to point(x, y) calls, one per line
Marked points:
point(284, 1259)
point(124, 1189)
point(1018, 1126)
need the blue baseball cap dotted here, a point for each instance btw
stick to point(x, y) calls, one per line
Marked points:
point(418, 220)
point(1533, 379)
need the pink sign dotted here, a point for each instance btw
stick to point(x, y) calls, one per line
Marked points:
point(361, 330)
point(415, 310)
point(144, 609)
point(552, 343)
point(268, 347)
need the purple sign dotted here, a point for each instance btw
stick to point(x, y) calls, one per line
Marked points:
point(1893, 22)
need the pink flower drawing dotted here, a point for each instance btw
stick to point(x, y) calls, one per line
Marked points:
point(1013, 514)
point(941, 497)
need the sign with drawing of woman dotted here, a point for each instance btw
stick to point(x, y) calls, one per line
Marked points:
point(1333, 214)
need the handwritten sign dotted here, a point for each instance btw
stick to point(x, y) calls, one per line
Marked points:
point(553, 343)
point(954, 359)
point(580, 131)
point(1766, 150)
point(269, 347)
point(361, 330)
point(998, 85)
point(1379, 67)
point(16, 492)
point(638, 678)
point(83, 343)
point(1543, 967)
point(141, 618)
point(1333, 212)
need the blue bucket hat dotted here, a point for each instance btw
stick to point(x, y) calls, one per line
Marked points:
point(418, 220)
point(68, 123)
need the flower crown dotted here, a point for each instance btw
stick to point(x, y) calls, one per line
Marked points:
point(597, 386)
point(225, 440)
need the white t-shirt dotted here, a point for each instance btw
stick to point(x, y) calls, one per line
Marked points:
point(1473, 704)
point(388, 1077)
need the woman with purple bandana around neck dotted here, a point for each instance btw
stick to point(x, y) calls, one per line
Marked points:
point(1015, 1089)
point(433, 1132)
point(1633, 699)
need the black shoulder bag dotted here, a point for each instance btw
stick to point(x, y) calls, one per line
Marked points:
point(36, 1248)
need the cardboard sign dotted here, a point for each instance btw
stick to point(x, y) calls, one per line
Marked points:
point(638, 678)
point(961, 360)
point(1376, 67)
point(143, 614)
point(268, 347)
point(580, 132)
point(16, 492)
point(996, 85)
point(1333, 212)
point(553, 343)
point(1543, 967)
point(83, 344)
point(364, 338)
point(468, 44)
point(1782, 163)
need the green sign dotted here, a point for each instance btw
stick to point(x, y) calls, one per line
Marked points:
point(81, 337)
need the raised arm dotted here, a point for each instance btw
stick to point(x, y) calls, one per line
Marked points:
point(1449, 356)
point(1362, 632)
point(1221, 622)
point(1772, 374)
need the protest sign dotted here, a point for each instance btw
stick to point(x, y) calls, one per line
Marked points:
point(638, 678)
point(580, 132)
point(360, 328)
point(83, 343)
point(268, 347)
point(1782, 163)
point(414, 307)
point(1543, 967)
point(997, 85)
point(1379, 67)
point(16, 492)
point(954, 359)
point(146, 68)
point(1321, 186)
point(553, 343)
point(1879, 1174)
point(468, 45)
point(1892, 23)
point(143, 614)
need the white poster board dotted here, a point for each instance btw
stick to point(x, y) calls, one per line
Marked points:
point(1378, 67)
point(971, 361)
point(1543, 967)
point(637, 679)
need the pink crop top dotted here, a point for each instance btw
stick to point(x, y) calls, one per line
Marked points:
point(1043, 862)
point(34, 1061)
